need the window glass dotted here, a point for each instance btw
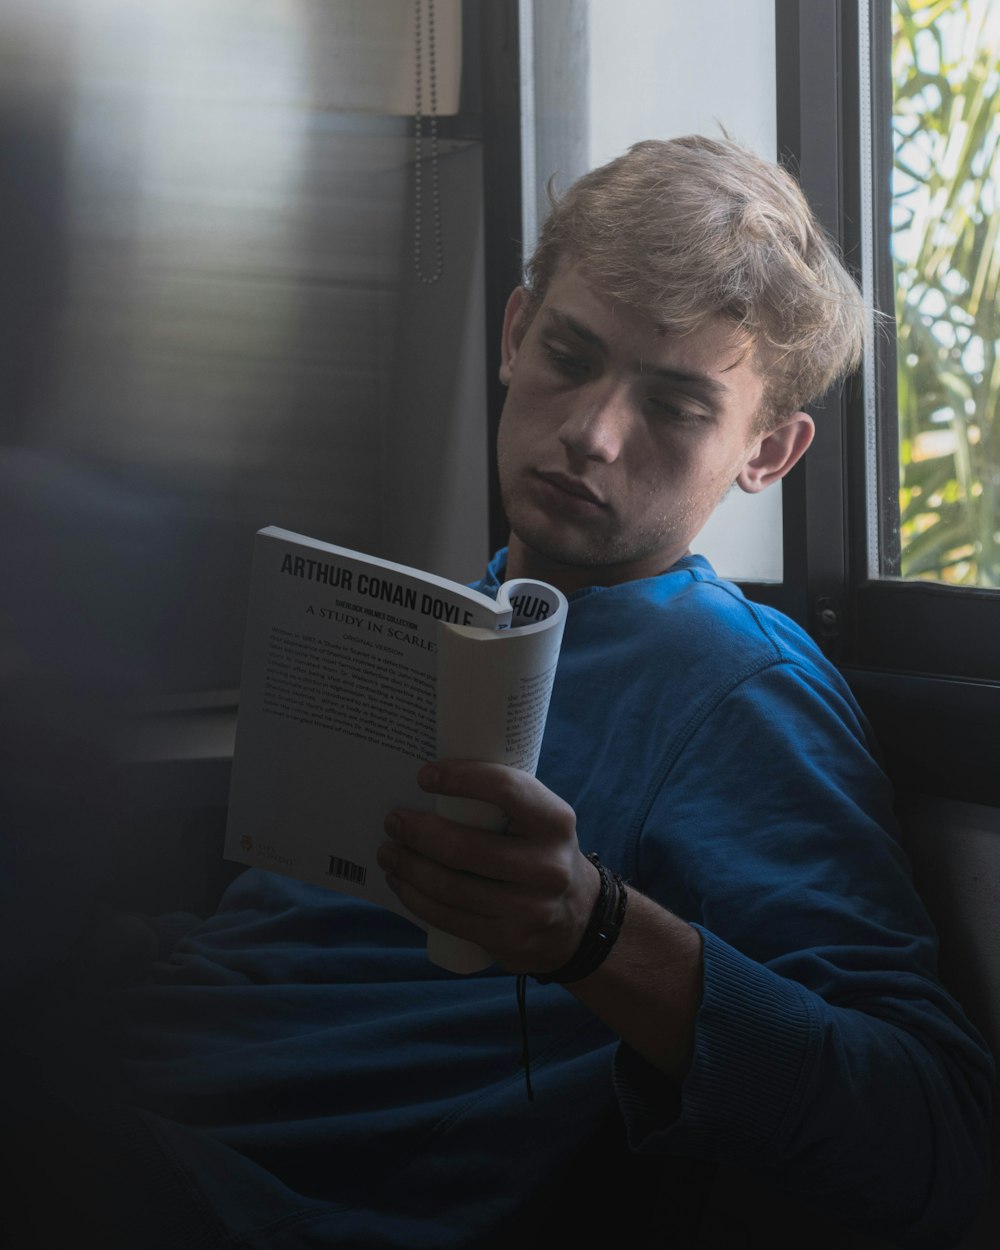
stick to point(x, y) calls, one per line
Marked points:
point(946, 258)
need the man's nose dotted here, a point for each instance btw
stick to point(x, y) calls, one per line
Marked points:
point(599, 423)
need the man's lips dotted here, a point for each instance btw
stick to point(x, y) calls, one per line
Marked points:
point(563, 484)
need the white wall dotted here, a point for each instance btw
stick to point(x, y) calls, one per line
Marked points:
point(669, 67)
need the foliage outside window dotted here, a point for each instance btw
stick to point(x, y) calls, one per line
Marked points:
point(946, 253)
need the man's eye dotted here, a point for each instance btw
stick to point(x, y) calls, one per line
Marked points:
point(568, 364)
point(671, 408)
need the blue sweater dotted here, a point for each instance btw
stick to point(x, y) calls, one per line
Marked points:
point(323, 1084)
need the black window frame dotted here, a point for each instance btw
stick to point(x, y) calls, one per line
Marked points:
point(924, 659)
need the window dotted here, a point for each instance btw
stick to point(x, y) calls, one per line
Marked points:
point(944, 223)
point(915, 624)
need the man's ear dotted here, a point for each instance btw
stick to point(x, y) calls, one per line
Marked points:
point(514, 326)
point(776, 453)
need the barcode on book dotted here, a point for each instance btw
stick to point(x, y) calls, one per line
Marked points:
point(346, 871)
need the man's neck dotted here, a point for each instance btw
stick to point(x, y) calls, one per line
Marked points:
point(524, 561)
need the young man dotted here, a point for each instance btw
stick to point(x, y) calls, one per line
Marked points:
point(758, 989)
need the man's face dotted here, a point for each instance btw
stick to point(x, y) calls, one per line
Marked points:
point(617, 439)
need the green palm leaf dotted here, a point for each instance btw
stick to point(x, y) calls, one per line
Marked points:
point(946, 184)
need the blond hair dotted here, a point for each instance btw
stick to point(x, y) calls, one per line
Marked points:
point(693, 228)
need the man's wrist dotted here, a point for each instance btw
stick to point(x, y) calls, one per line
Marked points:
point(600, 934)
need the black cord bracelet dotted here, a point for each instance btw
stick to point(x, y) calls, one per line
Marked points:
point(598, 938)
point(600, 934)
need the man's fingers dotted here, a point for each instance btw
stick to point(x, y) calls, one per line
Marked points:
point(409, 870)
point(461, 849)
point(524, 895)
point(531, 807)
point(520, 925)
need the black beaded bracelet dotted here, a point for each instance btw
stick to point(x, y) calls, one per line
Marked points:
point(600, 934)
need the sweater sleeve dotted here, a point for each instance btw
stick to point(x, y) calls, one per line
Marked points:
point(828, 1057)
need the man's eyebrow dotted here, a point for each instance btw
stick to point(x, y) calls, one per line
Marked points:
point(565, 321)
point(682, 377)
point(685, 377)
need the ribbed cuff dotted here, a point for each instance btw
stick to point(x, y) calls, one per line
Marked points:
point(754, 1036)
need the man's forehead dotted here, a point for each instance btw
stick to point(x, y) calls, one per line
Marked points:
point(575, 303)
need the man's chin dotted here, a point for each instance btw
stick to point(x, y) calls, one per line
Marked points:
point(574, 551)
point(544, 552)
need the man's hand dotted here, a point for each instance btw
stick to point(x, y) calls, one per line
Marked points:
point(524, 895)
